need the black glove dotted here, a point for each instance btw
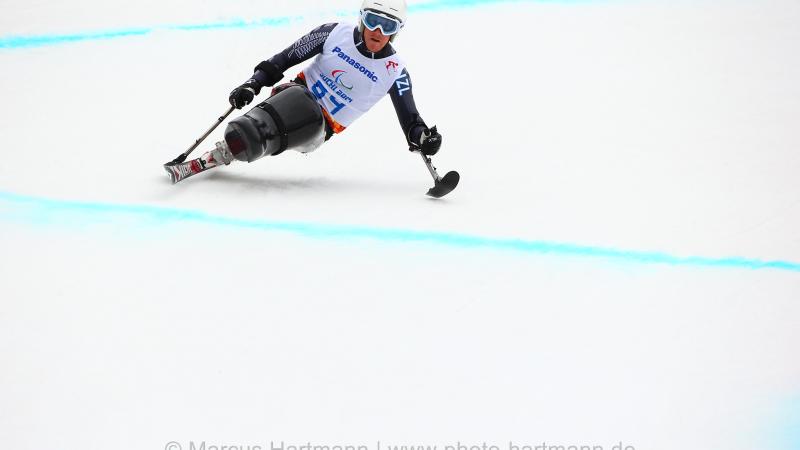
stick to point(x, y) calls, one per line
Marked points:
point(265, 74)
point(244, 94)
point(430, 141)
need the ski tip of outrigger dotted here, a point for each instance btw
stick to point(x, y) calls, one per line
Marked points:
point(442, 185)
point(445, 185)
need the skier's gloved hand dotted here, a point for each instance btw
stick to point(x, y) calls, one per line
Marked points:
point(244, 94)
point(430, 141)
point(266, 73)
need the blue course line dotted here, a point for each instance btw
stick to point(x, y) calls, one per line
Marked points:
point(14, 42)
point(43, 40)
point(782, 432)
point(55, 211)
point(18, 42)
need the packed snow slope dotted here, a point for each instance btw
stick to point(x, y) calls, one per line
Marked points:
point(620, 265)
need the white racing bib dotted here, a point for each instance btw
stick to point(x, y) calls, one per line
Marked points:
point(346, 83)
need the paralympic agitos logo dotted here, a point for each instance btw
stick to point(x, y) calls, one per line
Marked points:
point(337, 75)
point(356, 65)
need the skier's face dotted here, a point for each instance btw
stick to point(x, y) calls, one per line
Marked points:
point(375, 40)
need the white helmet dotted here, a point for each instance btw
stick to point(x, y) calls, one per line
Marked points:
point(393, 8)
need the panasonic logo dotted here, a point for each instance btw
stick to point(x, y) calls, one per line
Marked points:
point(356, 65)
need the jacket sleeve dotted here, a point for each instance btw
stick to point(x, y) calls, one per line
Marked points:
point(269, 72)
point(403, 100)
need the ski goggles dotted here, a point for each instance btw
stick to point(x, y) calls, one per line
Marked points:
point(374, 20)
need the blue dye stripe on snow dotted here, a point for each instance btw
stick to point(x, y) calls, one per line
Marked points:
point(13, 42)
point(15, 206)
point(782, 428)
point(16, 42)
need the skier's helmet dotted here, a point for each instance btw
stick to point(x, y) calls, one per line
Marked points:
point(388, 15)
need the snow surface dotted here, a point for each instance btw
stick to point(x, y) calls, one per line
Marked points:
point(325, 299)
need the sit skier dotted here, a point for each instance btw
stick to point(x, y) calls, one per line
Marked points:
point(355, 66)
